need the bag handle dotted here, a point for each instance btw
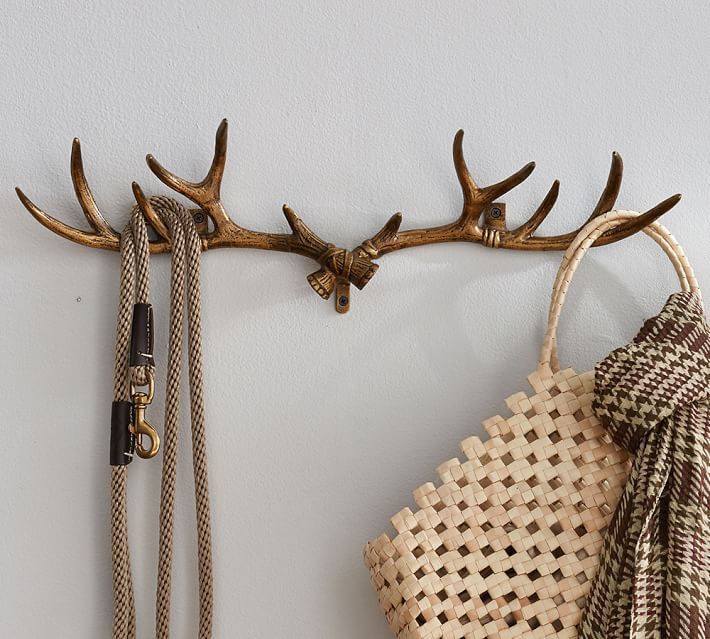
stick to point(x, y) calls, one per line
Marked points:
point(576, 251)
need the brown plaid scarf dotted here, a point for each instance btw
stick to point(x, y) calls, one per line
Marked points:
point(653, 396)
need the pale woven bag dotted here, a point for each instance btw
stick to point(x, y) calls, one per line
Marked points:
point(508, 543)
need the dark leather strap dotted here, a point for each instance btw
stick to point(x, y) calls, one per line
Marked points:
point(141, 353)
point(123, 441)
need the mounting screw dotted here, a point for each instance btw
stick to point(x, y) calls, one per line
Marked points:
point(342, 300)
point(495, 213)
point(199, 217)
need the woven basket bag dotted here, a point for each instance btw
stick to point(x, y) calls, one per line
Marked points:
point(507, 544)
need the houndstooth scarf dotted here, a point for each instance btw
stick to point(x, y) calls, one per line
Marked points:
point(653, 397)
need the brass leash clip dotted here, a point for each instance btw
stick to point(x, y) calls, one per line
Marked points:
point(140, 427)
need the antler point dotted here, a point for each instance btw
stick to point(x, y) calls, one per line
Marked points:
point(150, 213)
point(222, 129)
point(26, 202)
point(76, 151)
point(138, 194)
point(160, 172)
point(458, 144)
point(395, 221)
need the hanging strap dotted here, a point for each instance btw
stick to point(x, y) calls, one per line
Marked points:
point(134, 368)
point(548, 361)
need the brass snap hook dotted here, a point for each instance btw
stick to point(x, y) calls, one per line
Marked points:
point(140, 427)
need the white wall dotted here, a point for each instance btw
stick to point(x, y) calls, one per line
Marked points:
point(320, 425)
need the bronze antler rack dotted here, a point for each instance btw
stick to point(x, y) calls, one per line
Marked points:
point(340, 267)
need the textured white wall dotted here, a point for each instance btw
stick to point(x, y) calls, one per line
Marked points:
point(320, 425)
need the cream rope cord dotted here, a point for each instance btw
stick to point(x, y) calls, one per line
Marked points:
point(134, 289)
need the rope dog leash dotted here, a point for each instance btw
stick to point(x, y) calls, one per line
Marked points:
point(135, 368)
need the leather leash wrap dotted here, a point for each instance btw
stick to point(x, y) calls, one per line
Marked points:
point(132, 346)
point(123, 442)
point(142, 335)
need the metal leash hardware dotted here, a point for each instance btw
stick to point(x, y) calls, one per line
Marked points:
point(141, 361)
point(140, 426)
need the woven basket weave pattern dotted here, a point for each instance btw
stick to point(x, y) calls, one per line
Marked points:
point(508, 544)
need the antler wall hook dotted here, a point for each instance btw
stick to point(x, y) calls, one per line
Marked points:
point(340, 267)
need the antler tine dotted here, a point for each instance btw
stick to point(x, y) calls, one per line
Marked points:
point(205, 193)
point(469, 187)
point(302, 239)
point(389, 230)
point(606, 201)
point(638, 223)
point(523, 238)
point(64, 230)
point(526, 230)
point(146, 207)
point(611, 191)
point(103, 236)
point(475, 198)
point(84, 195)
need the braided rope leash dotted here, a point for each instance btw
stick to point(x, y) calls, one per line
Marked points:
point(128, 426)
